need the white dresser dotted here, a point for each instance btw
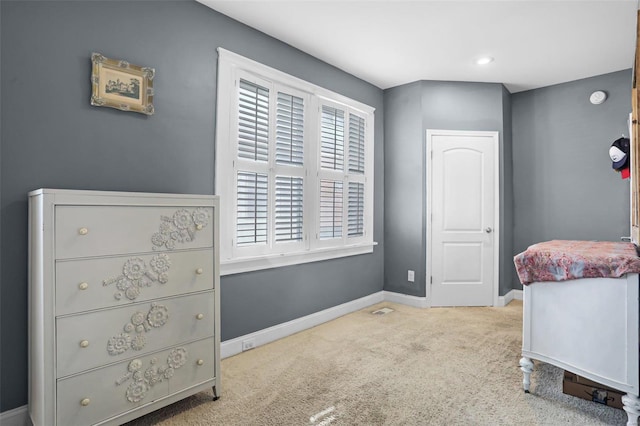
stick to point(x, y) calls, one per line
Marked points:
point(124, 303)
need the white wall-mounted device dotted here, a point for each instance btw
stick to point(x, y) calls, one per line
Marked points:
point(598, 97)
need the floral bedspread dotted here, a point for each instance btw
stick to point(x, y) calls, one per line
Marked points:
point(561, 260)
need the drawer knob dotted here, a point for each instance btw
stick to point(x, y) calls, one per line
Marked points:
point(83, 231)
point(199, 271)
point(84, 343)
point(199, 316)
point(83, 286)
point(200, 362)
point(199, 227)
point(85, 402)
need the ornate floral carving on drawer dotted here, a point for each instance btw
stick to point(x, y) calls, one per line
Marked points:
point(136, 275)
point(157, 316)
point(143, 380)
point(180, 228)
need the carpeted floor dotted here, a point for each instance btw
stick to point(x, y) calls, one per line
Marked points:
point(439, 366)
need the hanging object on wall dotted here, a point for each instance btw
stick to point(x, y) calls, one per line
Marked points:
point(619, 154)
point(598, 97)
point(118, 84)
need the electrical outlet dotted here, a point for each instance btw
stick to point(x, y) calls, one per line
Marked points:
point(411, 276)
point(248, 344)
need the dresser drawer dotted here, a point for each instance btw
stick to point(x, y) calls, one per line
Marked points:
point(85, 231)
point(88, 284)
point(104, 393)
point(101, 337)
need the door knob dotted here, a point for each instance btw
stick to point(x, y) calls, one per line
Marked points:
point(488, 230)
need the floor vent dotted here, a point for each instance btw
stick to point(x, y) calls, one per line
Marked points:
point(382, 311)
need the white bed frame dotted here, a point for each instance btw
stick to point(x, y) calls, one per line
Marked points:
point(589, 327)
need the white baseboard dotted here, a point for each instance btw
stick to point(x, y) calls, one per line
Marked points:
point(422, 302)
point(507, 298)
point(405, 299)
point(234, 346)
point(16, 417)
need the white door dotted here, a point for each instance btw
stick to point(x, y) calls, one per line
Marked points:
point(463, 210)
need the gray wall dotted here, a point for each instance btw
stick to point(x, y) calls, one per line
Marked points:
point(404, 189)
point(409, 111)
point(563, 182)
point(51, 137)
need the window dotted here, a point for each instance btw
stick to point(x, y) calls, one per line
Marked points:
point(294, 169)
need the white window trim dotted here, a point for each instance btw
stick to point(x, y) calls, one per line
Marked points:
point(229, 66)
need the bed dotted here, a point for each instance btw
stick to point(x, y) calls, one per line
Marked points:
point(581, 313)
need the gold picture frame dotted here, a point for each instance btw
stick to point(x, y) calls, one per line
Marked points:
point(118, 84)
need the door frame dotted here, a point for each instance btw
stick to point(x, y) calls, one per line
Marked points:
point(496, 228)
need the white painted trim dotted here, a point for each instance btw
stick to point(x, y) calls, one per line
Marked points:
point(232, 67)
point(234, 346)
point(428, 166)
point(507, 298)
point(16, 417)
point(229, 267)
point(405, 299)
point(239, 61)
point(496, 222)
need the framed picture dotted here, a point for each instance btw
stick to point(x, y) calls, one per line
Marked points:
point(119, 84)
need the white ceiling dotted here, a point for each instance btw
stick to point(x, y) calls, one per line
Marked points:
point(393, 42)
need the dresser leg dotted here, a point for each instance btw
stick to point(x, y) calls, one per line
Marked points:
point(215, 394)
point(526, 365)
point(632, 407)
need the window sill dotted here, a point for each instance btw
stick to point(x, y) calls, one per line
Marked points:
point(238, 266)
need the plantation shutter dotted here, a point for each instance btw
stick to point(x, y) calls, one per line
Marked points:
point(356, 144)
point(330, 209)
point(252, 218)
point(253, 122)
point(289, 158)
point(295, 163)
point(355, 212)
point(288, 209)
point(252, 190)
point(356, 186)
point(332, 138)
point(289, 129)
